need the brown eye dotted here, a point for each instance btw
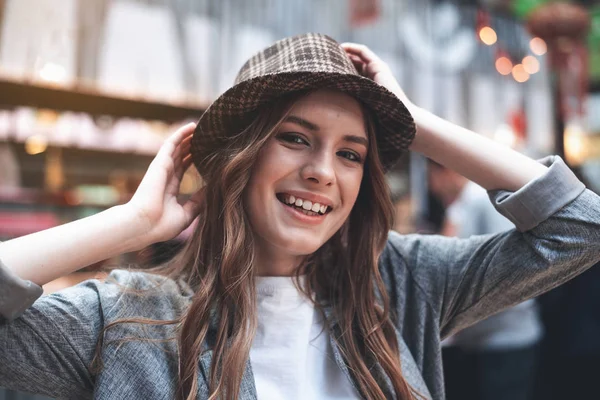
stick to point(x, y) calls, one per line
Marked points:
point(292, 138)
point(350, 156)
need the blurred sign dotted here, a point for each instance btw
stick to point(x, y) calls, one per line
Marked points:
point(523, 8)
point(594, 45)
point(363, 12)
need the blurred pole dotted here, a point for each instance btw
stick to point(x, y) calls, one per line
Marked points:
point(179, 12)
point(559, 122)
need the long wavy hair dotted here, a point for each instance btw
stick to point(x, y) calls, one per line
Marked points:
point(218, 263)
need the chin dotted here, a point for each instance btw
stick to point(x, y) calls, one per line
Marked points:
point(302, 246)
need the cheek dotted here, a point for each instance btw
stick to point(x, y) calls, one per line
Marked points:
point(269, 168)
point(349, 191)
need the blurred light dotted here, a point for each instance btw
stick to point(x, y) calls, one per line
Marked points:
point(72, 198)
point(519, 73)
point(531, 64)
point(505, 135)
point(488, 35)
point(504, 65)
point(36, 144)
point(575, 144)
point(53, 72)
point(538, 46)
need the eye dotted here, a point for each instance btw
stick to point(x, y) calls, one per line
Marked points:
point(350, 156)
point(293, 138)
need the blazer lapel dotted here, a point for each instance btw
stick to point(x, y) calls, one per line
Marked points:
point(378, 373)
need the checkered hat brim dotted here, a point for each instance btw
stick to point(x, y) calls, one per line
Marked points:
point(301, 63)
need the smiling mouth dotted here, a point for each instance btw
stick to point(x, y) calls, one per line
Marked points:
point(305, 206)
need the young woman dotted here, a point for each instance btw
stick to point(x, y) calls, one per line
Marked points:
point(291, 285)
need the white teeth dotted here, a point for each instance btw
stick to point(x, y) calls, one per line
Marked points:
point(307, 205)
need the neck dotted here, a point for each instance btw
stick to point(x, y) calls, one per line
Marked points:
point(276, 263)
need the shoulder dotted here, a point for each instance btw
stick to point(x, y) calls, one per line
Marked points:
point(423, 260)
point(407, 257)
point(415, 248)
point(127, 294)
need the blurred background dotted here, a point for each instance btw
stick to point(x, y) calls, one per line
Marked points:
point(90, 88)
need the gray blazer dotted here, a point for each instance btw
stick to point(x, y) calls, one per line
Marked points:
point(437, 286)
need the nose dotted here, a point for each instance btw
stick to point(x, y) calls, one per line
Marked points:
point(319, 169)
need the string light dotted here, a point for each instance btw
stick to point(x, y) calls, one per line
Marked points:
point(519, 73)
point(538, 46)
point(504, 65)
point(488, 35)
point(531, 64)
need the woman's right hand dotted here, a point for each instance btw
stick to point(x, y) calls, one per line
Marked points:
point(155, 202)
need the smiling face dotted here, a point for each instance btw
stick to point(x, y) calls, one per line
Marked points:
point(307, 177)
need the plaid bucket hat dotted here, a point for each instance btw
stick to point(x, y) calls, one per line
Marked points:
point(300, 63)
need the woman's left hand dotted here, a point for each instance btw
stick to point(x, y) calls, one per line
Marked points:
point(371, 66)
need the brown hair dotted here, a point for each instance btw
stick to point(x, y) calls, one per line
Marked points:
point(218, 264)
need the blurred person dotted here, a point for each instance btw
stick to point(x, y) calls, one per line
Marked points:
point(570, 350)
point(404, 219)
point(291, 285)
point(494, 359)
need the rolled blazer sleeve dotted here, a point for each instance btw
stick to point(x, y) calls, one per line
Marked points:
point(557, 237)
point(16, 294)
point(49, 348)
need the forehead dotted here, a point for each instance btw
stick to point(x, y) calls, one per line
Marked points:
point(328, 106)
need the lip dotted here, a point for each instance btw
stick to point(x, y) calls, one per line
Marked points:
point(313, 197)
point(305, 219)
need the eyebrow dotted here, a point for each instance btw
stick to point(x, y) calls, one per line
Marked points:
point(302, 122)
point(315, 128)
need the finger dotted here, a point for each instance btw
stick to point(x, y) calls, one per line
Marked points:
point(183, 149)
point(183, 166)
point(194, 204)
point(357, 62)
point(180, 134)
point(362, 51)
point(170, 146)
point(187, 140)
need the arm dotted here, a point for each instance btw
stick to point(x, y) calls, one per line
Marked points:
point(481, 160)
point(49, 349)
point(152, 215)
point(474, 156)
point(557, 223)
point(467, 280)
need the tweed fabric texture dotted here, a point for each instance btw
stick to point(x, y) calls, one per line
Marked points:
point(301, 63)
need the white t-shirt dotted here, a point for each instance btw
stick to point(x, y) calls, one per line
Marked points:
point(291, 355)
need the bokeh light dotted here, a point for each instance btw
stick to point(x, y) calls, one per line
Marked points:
point(538, 46)
point(504, 65)
point(52, 72)
point(575, 143)
point(531, 64)
point(519, 73)
point(488, 35)
point(36, 144)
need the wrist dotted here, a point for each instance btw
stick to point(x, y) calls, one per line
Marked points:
point(137, 229)
point(421, 118)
